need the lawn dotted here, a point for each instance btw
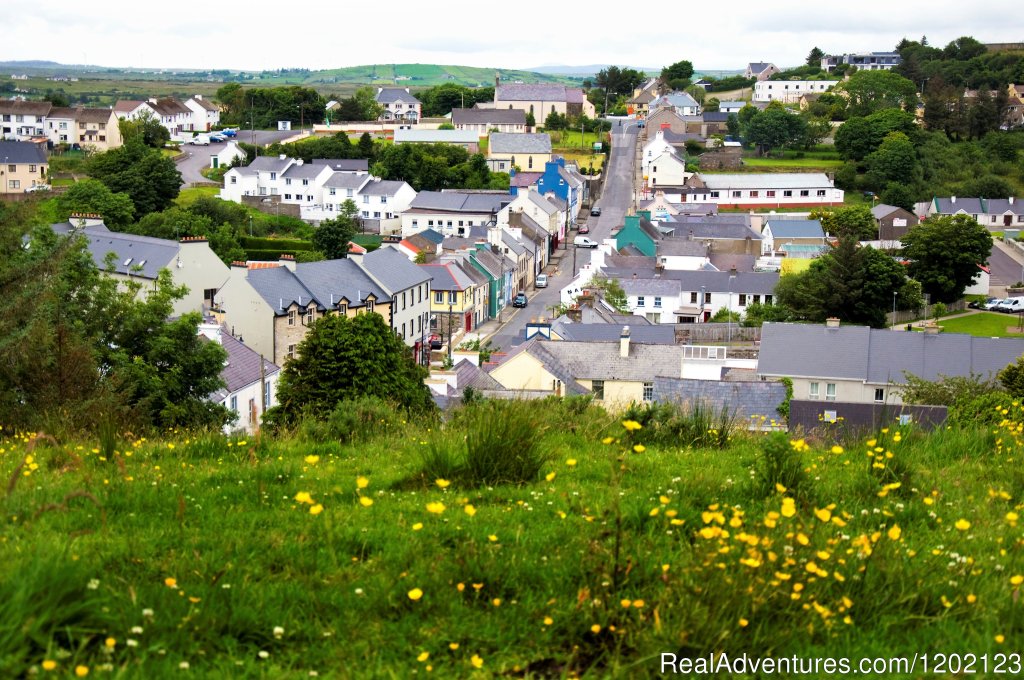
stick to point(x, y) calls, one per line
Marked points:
point(188, 195)
point(984, 324)
point(585, 160)
point(786, 164)
point(256, 557)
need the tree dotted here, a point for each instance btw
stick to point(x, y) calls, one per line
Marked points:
point(348, 358)
point(814, 57)
point(366, 98)
point(944, 254)
point(57, 98)
point(673, 76)
point(732, 123)
point(854, 221)
point(613, 293)
point(531, 122)
point(149, 178)
point(146, 128)
point(711, 104)
point(555, 121)
point(333, 237)
point(894, 161)
point(899, 195)
point(870, 91)
point(93, 196)
point(774, 128)
point(1012, 378)
point(365, 146)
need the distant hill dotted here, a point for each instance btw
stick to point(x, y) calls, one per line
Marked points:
point(31, 63)
point(588, 70)
point(428, 75)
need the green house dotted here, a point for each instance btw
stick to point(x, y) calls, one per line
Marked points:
point(639, 232)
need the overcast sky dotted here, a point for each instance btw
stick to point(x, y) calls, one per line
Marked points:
point(259, 34)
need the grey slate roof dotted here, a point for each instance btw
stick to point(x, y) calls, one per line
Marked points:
point(393, 270)
point(25, 108)
point(468, 374)
point(676, 100)
point(389, 95)
point(324, 283)
point(270, 163)
point(346, 180)
point(303, 171)
point(344, 164)
point(520, 142)
point(447, 276)
point(715, 117)
point(999, 206)
point(609, 332)
point(758, 66)
point(382, 187)
point(706, 228)
point(454, 201)
point(782, 228)
point(532, 92)
point(971, 206)
point(752, 283)
point(243, 366)
point(205, 103)
point(488, 117)
point(151, 254)
point(681, 247)
point(651, 286)
point(746, 400)
point(878, 355)
point(601, 360)
point(21, 153)
point(882, 210)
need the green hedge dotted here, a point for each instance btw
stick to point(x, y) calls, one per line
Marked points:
point(265, 255)
point(280, 245)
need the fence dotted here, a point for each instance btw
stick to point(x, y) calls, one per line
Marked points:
point(700, 333)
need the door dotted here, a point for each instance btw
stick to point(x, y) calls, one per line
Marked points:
point(1007, 220)
point(469, 321)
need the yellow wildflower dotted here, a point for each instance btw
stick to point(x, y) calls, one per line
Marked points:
point(49, 665)
point(894, 532)
point(317, 509)
point(415, 594)
point(362, 482)
point(437, 507)
point(469, 509)
point(81, 671)
point(962, 525)
point(365, 501)
point(171, 582)
point(631, 425)
point(477, 661)
point(303, 497)
point(312, 460)
point(442, 483)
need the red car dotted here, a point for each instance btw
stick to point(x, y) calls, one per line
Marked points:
point(435, 341)
point(584, 229)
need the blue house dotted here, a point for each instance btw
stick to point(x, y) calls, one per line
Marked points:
point(639, 233)
point(563, 183)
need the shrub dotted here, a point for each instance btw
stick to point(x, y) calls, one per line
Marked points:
point(503, 443)
point(689, 425)
point(353, 420)
point(780, 465)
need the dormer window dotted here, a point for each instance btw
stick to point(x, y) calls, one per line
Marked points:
point(127, 262)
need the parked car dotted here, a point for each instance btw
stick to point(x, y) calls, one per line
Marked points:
point(542, 281)
point(520, 300)
point(982, 304)
point(218, 137)
point(228, 132)
point(584, 229)
point(435, 341)
point(992, 303)
point(37, 187)
point(1011, 305)
point(584, 242)
point(595, 211)
point(200, 140)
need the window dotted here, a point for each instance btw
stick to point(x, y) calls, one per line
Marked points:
point(419, 290)
point(757, 299)
point(743, 299)
point(439, 297)
point(707, 298)
point(453, 297)
point(332, 191)
point(787, 193)
point(291, 317)
point(376, 215)
point(14, 184)
point(266, 395)
point(767, 299)
point(305, 182)
point(287, 197)
point(383, 199)
point(657, 302)
point(288, 181)
point(273, 175)
point(348, 193)
point(291, 351)
point(693, 298)
point(821, 192)
point(640, 301)
point(403, 330)
point(648, 391)
point(879, 394)
point(366, 198)
point(754, 194)
point(234, 180)
point(805, 192)
point(597, 389)
point(32, 168)
point(654, 169)
point(737, 194)
point(529, 162)
point(309, 317)
point(714, 194)
point(342, 309)
point(234, 403)
point(369, 305)
point(830, 391)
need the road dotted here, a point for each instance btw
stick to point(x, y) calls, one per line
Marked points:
point(616, 199)
point(1004, 269)
point(199, 156)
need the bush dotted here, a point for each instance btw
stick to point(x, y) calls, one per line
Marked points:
point(356, 420)
point(687, 425)
point(780, 465)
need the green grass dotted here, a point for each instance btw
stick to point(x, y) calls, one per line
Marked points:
point(188, 195)
point(983, 324)
point(203, 551)
point(784, 164)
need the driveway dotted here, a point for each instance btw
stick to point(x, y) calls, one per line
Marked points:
point(198, 157)
point(616, 198)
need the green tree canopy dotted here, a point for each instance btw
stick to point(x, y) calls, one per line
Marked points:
point(814, 57)
point(93, 196)
point(149, 178)
point(677, 76)
point(944, 254)
point(146, 128)
point(871, 91)
point(856, 221)
point(775, 128)
point(895, 160)
point(348, 358)
point(333, 237)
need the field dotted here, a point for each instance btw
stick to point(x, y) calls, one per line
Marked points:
point(983, 324)
point(255, 557)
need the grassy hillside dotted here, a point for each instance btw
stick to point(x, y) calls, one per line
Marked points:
point(387, 557)
point(427, 75)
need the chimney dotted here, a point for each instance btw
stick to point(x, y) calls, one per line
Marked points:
point(1011, 200)
point(952, 199)
point(198, 97)
point(287, 261)
point(283, 157)
point(624, 342)
point(831, 322)
point(299, 162)
point(497, 80)
point(690, 237)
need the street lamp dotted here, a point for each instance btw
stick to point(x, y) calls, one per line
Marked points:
point(728, 324)
point(894, 294)
point(449, 331)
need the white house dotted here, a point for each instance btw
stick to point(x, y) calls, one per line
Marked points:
point(681, 296)
point(655, 147)
point(398, 104)
point(23, 120)
point(250, 381)
point(789, 91)
point(763, 190)
point(409, 288)
point(485, 121)
point(205, 114)
point(226, 156)
point(452, 213)
point(731, 107)
point(666, 169)
point(680, 102)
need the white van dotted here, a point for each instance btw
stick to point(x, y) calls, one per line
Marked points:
point(201, 140)
point(1012, 305)
point(584, 242)
point(542, 281)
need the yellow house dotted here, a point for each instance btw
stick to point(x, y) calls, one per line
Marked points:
point(616, 374)
point(528, 151)
point(453, 299)
point(24, 166)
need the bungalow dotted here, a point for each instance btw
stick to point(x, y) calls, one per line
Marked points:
point(857, 364)
point(789, 91)
point(731, 107)
point(993, 213)
point(485, 121)
point(541, 100)
point(24, 166)
point(527, 151)
point(764, 190)
point(139, 259)
point(467, 139)
point(680, 102)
